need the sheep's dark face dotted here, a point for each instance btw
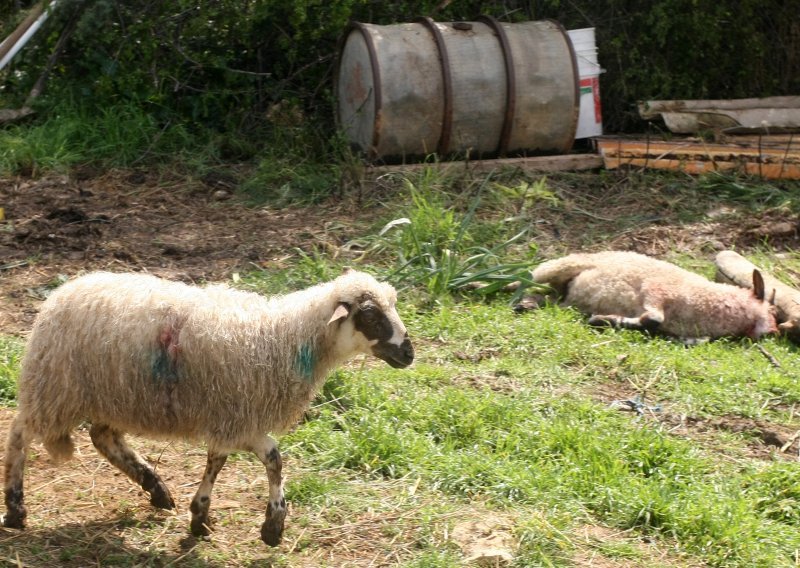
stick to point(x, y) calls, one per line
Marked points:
point(386, 334)
point(367, 321)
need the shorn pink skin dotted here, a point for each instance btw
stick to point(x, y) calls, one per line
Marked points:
point(630, 290)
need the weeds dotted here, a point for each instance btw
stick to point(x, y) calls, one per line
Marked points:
point(752, 192)
point(112, 137)
point(283, 165)
point(436, 248)
point(10, 355)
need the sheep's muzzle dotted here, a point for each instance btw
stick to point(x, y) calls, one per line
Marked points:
point(398, 356)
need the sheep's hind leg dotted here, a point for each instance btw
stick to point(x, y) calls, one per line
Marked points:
point(649, 322)
point(16, 450)
point(202, 499)
point(111, 444)
point(272, 529)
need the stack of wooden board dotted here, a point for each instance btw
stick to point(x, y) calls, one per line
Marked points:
point(767, 156)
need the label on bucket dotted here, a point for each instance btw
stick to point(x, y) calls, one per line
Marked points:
point(592, 85)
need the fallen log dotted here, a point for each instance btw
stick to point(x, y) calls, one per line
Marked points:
point(733, 268)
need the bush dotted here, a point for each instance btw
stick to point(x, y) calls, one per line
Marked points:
point(236, 66)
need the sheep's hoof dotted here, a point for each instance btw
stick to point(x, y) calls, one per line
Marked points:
point(160, 497)
point(14, 520)
point(601, 321)
point(199, 527)
point(272, 532)
point(528, 303)
point(272, 529)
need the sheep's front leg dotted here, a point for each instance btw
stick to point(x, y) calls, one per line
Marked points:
point(111, 444)
point(272, 529)
point(16, 450)
point(202, 499)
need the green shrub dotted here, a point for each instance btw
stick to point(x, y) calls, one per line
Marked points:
point(246, 67)
point(10, 356)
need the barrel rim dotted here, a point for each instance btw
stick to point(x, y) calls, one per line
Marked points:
point(511, 81)
point(443, 146)
point(362, 28)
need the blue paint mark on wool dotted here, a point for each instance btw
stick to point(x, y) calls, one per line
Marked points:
point(164, 368)
point(305, 361)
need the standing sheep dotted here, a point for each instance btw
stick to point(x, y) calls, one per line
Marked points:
point(630, 290)
point(134, 353)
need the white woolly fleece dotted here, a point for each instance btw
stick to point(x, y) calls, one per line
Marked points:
point(161, 358)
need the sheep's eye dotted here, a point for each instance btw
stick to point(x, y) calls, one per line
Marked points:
point(369, 315)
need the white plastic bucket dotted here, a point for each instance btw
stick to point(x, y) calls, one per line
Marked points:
point(590, 118)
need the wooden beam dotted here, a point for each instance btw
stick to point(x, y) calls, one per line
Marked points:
point(772, 162)
point(12, 39)
point(560, 163)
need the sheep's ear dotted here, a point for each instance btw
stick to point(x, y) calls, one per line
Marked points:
point(758, 285)
point(347, 270)
point(341, 312)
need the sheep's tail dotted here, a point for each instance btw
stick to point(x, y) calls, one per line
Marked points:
point(558, 272)
point(60, 447)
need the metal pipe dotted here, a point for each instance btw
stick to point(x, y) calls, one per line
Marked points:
point(14, 36)
point(27, 35)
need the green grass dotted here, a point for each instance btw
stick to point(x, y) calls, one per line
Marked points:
point(10, 354)
point(69, 135)
point(549, 444)
point(271, 162)
point(512, 418)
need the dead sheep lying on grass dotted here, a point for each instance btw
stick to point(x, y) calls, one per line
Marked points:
point(134, 353)
point(631, 290)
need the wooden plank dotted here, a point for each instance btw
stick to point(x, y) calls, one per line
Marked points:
point(649, 109)
point(774, 162)
point(565, 162)
point(9, 115)
point(783, 141)
point(644, 147)
point(768, 171)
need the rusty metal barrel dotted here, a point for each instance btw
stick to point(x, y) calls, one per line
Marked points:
point(483, 88)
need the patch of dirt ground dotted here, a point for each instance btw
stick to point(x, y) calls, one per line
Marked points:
point(87, 513)
point(197, 230)
point(187, 230)
point(760, 439)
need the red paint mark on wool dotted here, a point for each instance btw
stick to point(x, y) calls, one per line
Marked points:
point(169, 340)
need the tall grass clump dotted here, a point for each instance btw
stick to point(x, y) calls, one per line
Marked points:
point(287, 178)
point(436, 247)
point(306, 267)
point(296, 163)
point(119, 135)
point(10, 355)
point(776, 492)
point(751, 192)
